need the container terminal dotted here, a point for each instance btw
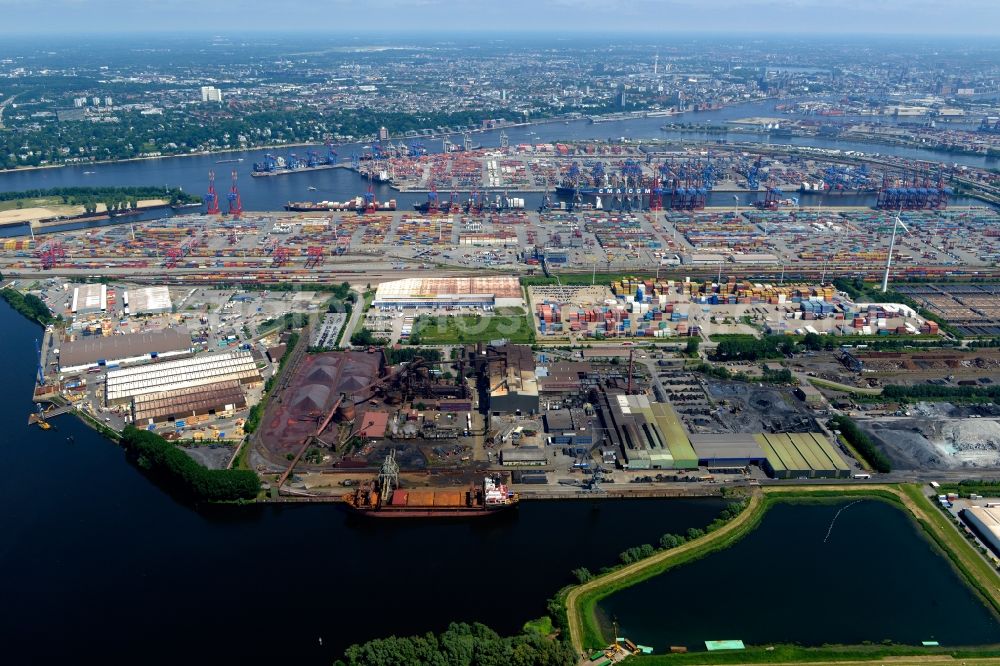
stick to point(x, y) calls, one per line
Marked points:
point(182, 334)
point(818, 243)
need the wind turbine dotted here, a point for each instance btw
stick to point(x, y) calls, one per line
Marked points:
point(892, 243)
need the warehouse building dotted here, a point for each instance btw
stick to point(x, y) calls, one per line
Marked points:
point(727, 451)
point(649, 435)
point(510, 375)
point(986, 521)
point(147, 301)
point(90, 299)
point(116, 350)
point(205, 384)
point(218, 398)
point(523, 456)
point(493, 291)
point(801, 456)
point(565, 378)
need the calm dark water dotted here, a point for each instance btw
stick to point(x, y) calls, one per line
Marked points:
point(98, 562)
point(272, 193)
point(875, 578)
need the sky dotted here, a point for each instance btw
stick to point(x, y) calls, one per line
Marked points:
point(792, 17)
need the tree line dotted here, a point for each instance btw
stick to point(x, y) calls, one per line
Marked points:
point(667, 541)
point(754, 349)
point(252, 421)
point(861, 443)
point(29, 305)
point(182, 474)
point(921, 391)
point(461, 645)
point(79, 196)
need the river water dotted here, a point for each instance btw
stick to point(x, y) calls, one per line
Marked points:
point(794, 579)
point(100, 564)
point(272, 193)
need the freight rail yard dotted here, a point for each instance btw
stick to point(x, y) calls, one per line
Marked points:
point(814, 242)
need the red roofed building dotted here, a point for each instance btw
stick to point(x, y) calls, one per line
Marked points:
point(373, 425)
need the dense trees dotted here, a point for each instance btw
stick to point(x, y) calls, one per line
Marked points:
point(691, 349)
point(921, 391)
point(114, 198)
point(461, 645)
point(179, 131)
point(365, 338)
point(28, 305)
point(182, 474)
point(861, 443)
point(753, 349)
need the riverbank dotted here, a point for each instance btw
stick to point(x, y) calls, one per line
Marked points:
point(581, 601)
point(278, 146)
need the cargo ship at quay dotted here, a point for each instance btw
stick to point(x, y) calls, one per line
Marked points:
point(359, 204)
point(383, 498)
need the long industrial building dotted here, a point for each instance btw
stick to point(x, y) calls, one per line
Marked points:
point(204, 384)
point(727, 450)
point(513, 385)
point(649, 434)
point(129, 349)
point(493, 291)
point(986, 520)
point(801, 456)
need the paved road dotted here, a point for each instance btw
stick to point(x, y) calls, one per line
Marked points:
point(3, 105)
point(356, 313)
point(572, 599)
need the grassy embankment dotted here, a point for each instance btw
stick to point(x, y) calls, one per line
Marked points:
point(369, 298)
point(581, 600)
point(844, 388)
point(474, 328)
point(34, 202)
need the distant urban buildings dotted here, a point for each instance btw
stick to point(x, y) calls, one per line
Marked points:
point(383, 134)
point(211, 94)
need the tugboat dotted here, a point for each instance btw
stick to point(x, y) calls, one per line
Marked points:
point(383, 498)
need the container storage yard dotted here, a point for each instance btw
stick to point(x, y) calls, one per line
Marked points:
point(795, 241)
point(668, 308)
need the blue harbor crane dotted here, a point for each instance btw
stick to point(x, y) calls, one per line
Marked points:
point(753, 176)
point(597, 173)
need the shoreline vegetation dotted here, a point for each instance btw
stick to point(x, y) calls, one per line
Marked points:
point(271, 146)
point(580, 601)
point(181, 474)
point(28, 305)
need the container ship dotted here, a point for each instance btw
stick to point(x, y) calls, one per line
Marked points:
point(384, 499)
point(356, 204)
point(278, 166)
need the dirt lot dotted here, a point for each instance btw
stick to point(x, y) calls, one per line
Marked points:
point(940, 436)
point(747, 408)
